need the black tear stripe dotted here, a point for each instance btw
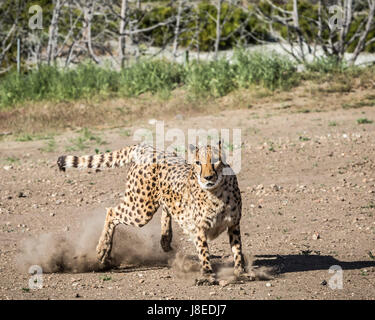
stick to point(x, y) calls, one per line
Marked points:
point(89, 164)
point(61, 163)
point(213, 167)
point(75, 162)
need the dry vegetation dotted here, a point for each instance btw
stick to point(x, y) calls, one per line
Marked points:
point(316, 93)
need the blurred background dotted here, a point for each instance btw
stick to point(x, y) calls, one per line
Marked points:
point(69, 50)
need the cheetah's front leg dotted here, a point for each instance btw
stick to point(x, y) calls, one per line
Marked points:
point(235, 243)
point(166, 230)
point(208, 277)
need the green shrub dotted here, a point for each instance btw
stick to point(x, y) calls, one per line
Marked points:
point(150, 76)
point(264, 68)
point(326, 65)
point(215, 78)
point(51, 83)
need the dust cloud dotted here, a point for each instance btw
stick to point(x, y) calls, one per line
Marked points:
point(188, 268)
point(74, 251)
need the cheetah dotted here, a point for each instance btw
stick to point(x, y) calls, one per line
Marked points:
point(200, 196)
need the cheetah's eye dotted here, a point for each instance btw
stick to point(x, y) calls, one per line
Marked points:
point(198, 163)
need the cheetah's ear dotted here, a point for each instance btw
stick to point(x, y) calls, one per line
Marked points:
point(219, 144)
point(192, 148)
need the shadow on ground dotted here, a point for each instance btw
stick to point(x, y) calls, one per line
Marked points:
point(301, 263)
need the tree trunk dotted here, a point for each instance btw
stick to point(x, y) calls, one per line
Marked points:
point(53, 32)
point(177, 28)
point(88, 14)
point(122, 39)
point(218, 27)
point(362, 40)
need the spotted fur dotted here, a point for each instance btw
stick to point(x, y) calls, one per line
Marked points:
point(198, 196)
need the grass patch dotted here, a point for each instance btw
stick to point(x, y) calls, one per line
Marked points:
point(304, 111)
point(25, 137)
point(50, 146)
point(333, 77)
point(325, 65)
point(304, 138)
point(155, 76)
point(269, 70)
point(11, 160)
point(215, 78)
point(364, 121)
point(359, 104)
point(125, 133)
point(84, 141)
point(32, 137)
point(106, 278)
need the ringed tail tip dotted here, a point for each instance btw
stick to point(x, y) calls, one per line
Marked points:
point(61, 163)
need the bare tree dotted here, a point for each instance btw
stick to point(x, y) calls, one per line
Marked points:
point(53, 32)
point(6, 44)
point(333, 33)
point(363, 37)
point(177, 28)
point(224, 11)
point(88, 8)
point(123, 23)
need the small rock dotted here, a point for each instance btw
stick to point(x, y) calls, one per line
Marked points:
point(324, 283)
point(152, 121)
point(52, 214)
point(268, 285)
point(7, 168)
point(316, 236)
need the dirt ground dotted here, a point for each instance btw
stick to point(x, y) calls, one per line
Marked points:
point(308, 189)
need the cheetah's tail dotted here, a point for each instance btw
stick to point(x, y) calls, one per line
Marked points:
point(105, 160)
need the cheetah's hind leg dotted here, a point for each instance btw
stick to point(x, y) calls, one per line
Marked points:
point(104, 246)
point(135, 213)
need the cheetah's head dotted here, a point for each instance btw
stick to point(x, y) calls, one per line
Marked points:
point(208, 165)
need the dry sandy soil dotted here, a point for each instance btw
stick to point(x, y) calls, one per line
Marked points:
point(308, 188)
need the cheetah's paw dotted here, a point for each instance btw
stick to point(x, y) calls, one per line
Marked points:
point(206, 280)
